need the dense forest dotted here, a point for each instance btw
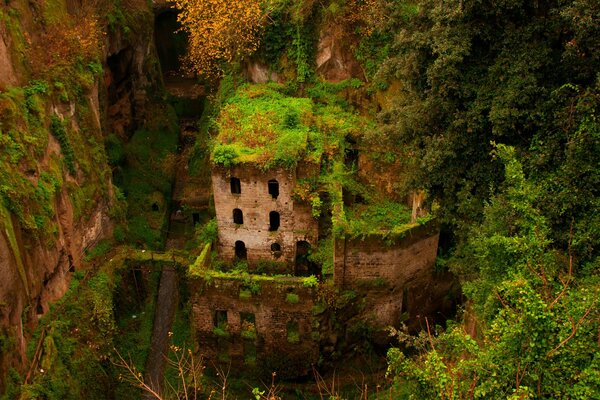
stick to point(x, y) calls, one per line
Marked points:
point(487, 110)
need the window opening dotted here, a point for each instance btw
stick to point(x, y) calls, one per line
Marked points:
point(240, 250)
point(248, 330)
point(236, 186)
point(249, 353)
point(274, 188)
point(293, 332)
point(220, 318)
point(304, 265)
point(276, 249)
point(238, 216)
point(196, 218)
point(155, 207)
point(274, 221)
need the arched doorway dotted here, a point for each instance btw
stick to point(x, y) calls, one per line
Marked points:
point(240, 250)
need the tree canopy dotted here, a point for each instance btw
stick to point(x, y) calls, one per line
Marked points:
point(498, 101)
point(219, 32)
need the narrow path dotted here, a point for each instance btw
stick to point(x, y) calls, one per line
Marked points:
point(166, 306)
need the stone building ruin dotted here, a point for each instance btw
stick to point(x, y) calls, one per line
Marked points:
point(265, 307)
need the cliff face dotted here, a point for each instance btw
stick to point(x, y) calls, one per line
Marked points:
point(66, 80)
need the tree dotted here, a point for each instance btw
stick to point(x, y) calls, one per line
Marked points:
point(538, 308)
point(219, 32)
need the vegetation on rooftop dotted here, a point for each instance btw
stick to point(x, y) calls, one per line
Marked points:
point(262, 126)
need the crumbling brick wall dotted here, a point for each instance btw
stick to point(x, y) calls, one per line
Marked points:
point(255, 203)
point(398, 281)
point(273, 314)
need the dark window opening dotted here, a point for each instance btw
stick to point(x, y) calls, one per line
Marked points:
point(274, 221)
point(304, 265)
point(196, 218)
point(248, 328)
point(71, 264)
point(220, 318)
point(249, 353)
point(236, 186)
point(293, 332)
point(155, 207)
point(274, 188)
point(238, 216)
point(240, 250)
point(40, 308)
point(276, 249)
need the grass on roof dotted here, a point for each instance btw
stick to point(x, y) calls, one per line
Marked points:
point(384, 217)
point(260, 125)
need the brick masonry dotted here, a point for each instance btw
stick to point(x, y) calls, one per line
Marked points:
point(397, 281)
point(296, 221)
point(272, 314)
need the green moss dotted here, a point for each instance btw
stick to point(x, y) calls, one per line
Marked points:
point(264, 127)
point(9, 230)
point(57, 128)
point(221, 331)
point(382, 218)
point(260, 125)
point(146, 178)
point(54, 11)
point(102, 248)
point(292, 298)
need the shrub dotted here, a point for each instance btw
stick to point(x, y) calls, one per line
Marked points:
point(310, 281)
point(292, 298)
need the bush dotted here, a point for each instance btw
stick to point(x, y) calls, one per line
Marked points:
point(310, 281)
point(292, 298)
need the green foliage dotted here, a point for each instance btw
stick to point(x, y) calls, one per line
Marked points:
point(115, 151)
point(222, 330)
point(538, 307)
point(292, 298)
point(310, 281)
point(146, 176)
point(293, 333)
point(209, 232)
point(385, 217)
point(323, 255)
point(102, 248)
point(248, 330)
point(58, 130)
point(77, 343)
point(261, 125)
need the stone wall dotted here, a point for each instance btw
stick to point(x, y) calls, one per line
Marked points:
point(274, 314)
point(398, 281)
point(255, 202)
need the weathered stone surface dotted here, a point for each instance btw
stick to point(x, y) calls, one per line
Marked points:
point(7, 71)
point(394, 279)
point(255, 202)
point(272, 315)
point(257, 72)
point(335, 61)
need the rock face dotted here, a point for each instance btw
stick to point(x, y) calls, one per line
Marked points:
point(335, 61)
point(7, 72)
point(36, 269)
point(258, 72)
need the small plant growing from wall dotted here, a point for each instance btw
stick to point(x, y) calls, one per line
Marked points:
point(293, 332)
point(221, 330)
point(292, 298)
point(248, 330)
point(310, 281)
